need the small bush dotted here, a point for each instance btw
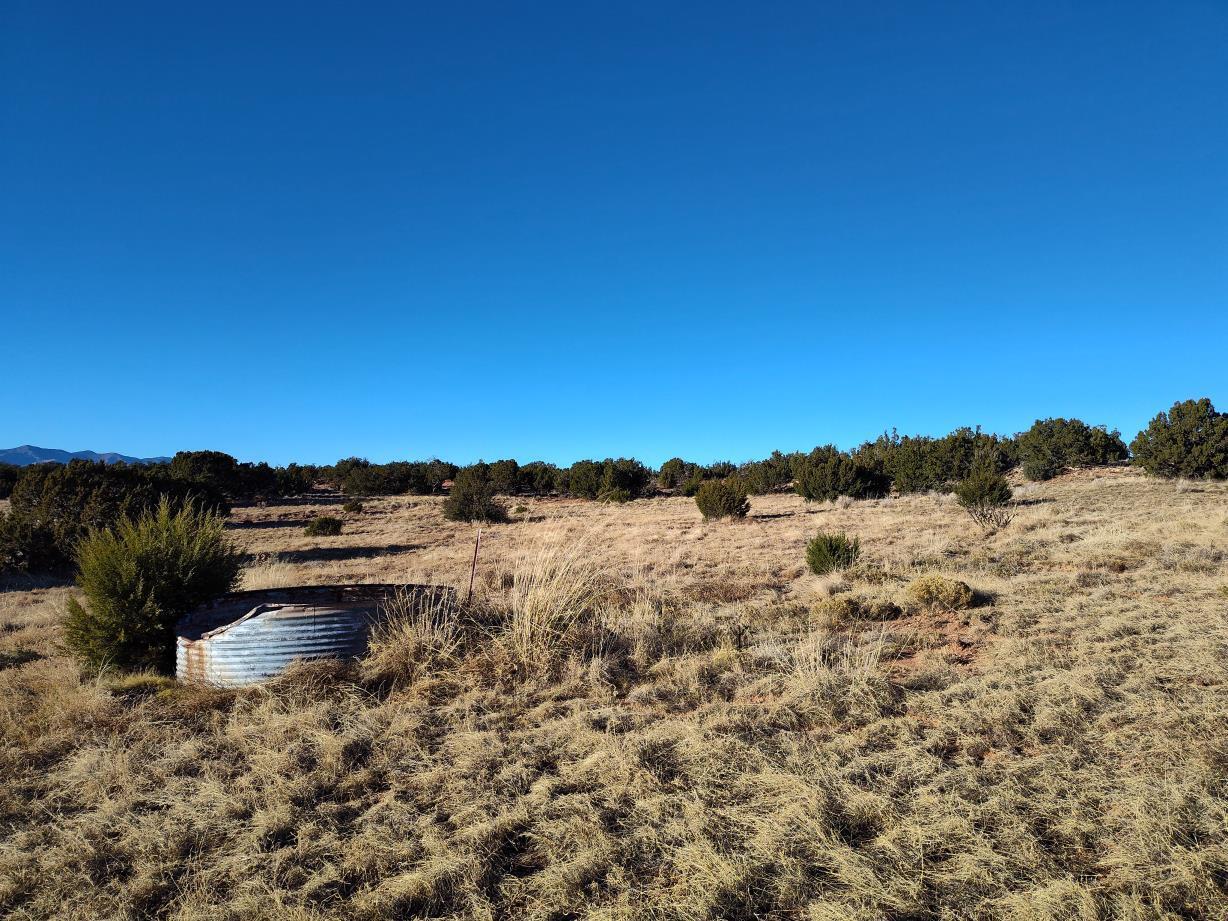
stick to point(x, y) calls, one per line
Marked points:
point(140, 578)
point(1190, 440)
point(324, 526)
point(722, 499)
point(473, 496)
point(828, 552)
point(986, 496)
point(616, 495)
point(353, 507)
point(833, 613)
point(940, 592)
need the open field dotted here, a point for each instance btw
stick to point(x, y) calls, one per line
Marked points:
point(703, 729)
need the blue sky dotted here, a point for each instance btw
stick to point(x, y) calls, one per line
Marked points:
point(303, 231)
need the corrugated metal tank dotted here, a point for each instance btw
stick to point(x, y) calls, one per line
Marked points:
point(246, 637)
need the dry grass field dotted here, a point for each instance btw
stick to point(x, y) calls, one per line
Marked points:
point(649, 716)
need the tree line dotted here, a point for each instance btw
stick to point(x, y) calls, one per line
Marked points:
point(53, 506)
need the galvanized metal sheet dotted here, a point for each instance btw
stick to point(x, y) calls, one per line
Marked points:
point(246, 637)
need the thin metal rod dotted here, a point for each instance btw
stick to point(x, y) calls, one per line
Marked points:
point(474, 569)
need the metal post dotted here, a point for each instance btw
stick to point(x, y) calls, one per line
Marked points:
point(474, 569)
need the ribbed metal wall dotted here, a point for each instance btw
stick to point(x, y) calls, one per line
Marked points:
point(248, 637)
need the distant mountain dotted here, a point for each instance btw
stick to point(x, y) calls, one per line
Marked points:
point(28, 454)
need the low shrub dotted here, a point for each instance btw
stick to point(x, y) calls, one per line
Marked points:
point(354, 507)
point(616, 495)
point(932, 591)
point(722, 499)
point(828, 552)
point(473, 496)
point(880, 609)
point(324, 526)
point(139, 578)
point(986, 497)
point(833, 613)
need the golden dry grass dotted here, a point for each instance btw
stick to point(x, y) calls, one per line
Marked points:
point(705, 731)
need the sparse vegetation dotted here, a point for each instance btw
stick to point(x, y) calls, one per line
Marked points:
point(139, 578)
point(324, 526)
point(722, 499)
point(828, 552)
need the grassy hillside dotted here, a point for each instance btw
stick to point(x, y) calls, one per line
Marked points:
point(647, 716)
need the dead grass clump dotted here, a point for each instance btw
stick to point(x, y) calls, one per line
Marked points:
point(839, 610)
point(268, 571)
point(934, 591)
point(551, 609)
point(414, 637)
point(724, 591)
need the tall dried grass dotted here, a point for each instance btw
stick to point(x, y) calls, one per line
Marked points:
point(414, 636)
point(553, 598)
point(267, 571)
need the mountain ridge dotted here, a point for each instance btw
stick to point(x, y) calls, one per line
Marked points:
point(27, 455)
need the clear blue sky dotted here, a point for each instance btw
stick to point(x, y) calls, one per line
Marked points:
point(302, 231)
